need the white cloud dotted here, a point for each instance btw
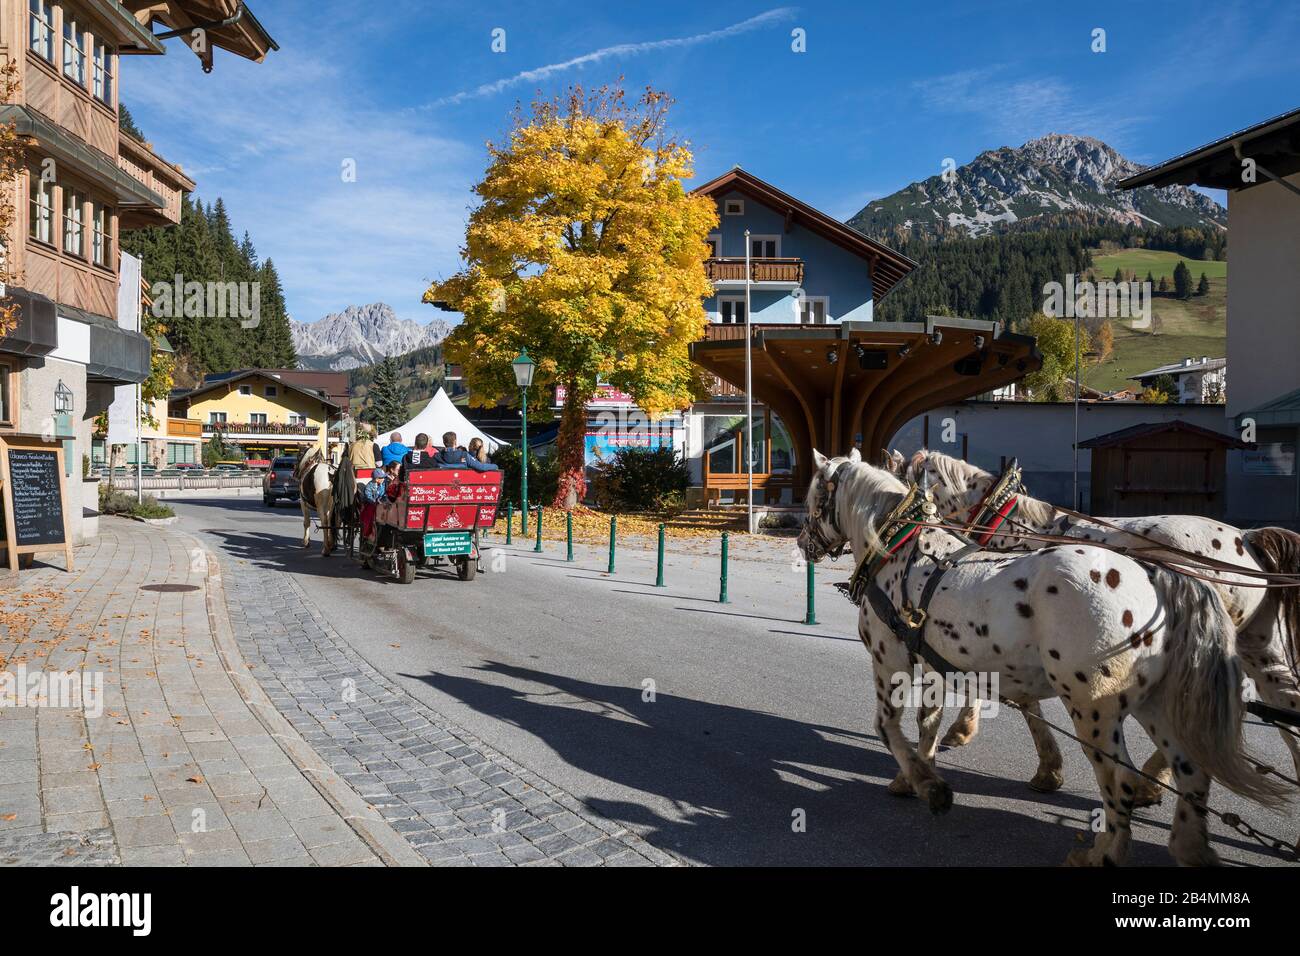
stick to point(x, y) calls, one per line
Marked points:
point(271, 140)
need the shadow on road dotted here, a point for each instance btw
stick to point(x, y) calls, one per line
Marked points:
point(738, 777)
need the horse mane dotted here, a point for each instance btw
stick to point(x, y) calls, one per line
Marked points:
point(956, 475)
point(873, 493)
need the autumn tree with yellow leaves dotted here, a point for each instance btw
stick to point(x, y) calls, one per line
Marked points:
point(586, 250)
point(12, 158)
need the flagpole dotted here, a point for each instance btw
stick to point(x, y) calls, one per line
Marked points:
point(749, 403)
point(139, 467)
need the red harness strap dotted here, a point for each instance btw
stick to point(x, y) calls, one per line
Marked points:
point(995, 522)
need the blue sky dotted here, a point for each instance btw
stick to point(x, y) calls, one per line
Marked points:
point(883, 93)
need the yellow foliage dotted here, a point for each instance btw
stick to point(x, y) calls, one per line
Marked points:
point(586, 250)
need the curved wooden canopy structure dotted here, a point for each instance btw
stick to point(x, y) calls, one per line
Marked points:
point(858, 383)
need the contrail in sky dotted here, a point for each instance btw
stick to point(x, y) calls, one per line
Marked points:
point(619, 50)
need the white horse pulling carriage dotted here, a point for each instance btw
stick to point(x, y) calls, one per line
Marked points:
point(1112, 634)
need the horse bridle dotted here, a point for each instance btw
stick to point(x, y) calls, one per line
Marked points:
point(825, 504)
point(988, 514)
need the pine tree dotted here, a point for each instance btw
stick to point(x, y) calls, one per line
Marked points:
point(1203, 286)
point(1164, 284)
point(1182, 280)
point(276, 336)
point(386, 410)
point(1119, 275)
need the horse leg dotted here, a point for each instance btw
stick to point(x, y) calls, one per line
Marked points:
point(324, 500)
point(892, 662)
point(1264, 659)
point(1048, 777)
point(1147, 793)
point(306, 523)
point(1189, 839)
point(964, 728)
point(1100, 723)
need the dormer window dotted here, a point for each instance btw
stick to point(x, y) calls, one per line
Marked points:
point(733, 207)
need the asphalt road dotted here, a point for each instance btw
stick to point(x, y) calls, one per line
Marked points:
point(752, 720)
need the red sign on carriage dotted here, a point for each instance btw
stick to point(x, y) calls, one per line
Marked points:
point(451, 497)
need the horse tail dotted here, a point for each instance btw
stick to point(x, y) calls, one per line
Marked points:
point(1201, 686)
point(1278, 552)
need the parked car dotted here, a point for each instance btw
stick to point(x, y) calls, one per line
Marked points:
point(188, 466)
point(280, 482)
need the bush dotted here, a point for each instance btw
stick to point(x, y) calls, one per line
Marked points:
point(640, 479)
point(115, 501)
point(543, 475)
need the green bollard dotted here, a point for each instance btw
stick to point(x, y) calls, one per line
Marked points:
point(510, 521)
point(568, 533)
point(722, 596)
point(811, 616)
point(538, 547)
point(659, 575)
point(613, 526)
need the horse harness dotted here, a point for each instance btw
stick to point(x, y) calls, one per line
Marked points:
point(915, 512)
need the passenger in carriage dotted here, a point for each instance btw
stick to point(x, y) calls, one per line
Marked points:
point(371, 495)
point(419, 457)
point(453, 457)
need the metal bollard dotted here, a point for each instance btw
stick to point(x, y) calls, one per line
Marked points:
point(722, 595)
point(538, 546)
point(613, 526)
point(659, 574)
point(510, 521)
point(811, 616)
point(568, 534)
point(523, 518)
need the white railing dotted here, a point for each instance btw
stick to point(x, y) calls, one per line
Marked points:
point(187, 482)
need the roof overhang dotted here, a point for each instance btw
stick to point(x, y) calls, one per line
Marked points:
point(887, 266)
point(1281, 412)
point(858, 383)
point(129, 34)
point(72, 151)
point(228, 24)
point(1273, 144)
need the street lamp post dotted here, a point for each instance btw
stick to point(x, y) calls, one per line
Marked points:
point(524, 368)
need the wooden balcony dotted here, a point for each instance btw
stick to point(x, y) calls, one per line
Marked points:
point(139, 160)
point(732, 270)
point(184, 428)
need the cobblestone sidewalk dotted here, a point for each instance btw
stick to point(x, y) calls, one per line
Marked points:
point(454, 798)
point(168, 764)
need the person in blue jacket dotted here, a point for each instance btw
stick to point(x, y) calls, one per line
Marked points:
point(394, 451)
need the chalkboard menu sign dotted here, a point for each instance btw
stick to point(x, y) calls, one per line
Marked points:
point(34, 499)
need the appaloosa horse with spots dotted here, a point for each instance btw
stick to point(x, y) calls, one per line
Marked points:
point(1267, 620)
point(1108, 636)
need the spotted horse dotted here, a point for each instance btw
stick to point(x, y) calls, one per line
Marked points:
point(1108, 636)
point(1267, 619)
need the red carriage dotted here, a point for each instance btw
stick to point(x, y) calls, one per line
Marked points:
point(436, 517)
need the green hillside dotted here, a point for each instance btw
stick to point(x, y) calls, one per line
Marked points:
point(1179, 327)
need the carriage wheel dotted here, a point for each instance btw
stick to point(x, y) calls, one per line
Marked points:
point(466, 568)
point(404, 568)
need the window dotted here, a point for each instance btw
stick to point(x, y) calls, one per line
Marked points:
point(245, 390)
point(272, 391)
point(74, 51)
point(715, 245)
point(6, 401)
point(101, 243)
point(103, 72)
point(731, 311)
point(765, 247)
point(733, 207)
point(297, 418)
point(74, 240)
point(42, 23)
point(257, 418)
point(814, 309)
point(216, 418)
point(41, 220)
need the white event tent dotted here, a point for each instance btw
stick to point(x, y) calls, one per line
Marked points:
point(437, 418)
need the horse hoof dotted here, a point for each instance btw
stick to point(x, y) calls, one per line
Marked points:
point(901, 787)
point(1080, 857)
point(1047, 781)
point(1203, 856)
point(940, 798)
point(957, 736)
